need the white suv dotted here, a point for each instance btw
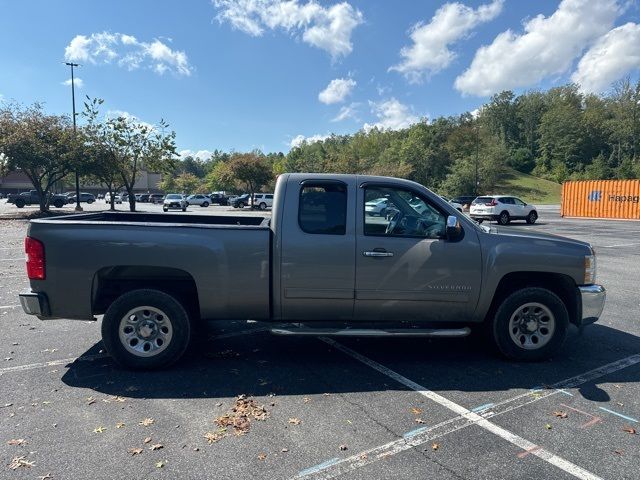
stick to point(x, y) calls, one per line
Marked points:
point(263, 200)
point(503, 209)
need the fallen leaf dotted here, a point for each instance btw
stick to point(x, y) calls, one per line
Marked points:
point(146, 422)
point(419, 420)
point(91, 401)
point(262, 456)
point(147, 440)
point(156, 446)
point(99, 430)
point(618, 452)
point(620, 404)
point(295, 421)
point(160, 464)
point(242, 413)
point(134, 451)
point(17, 441)
point(629, 429)
point(416, 411)
point(119, 425)
point(21, 461)
point(45, 477)
point(548, 426)
point(306, 399)
point(435, 446)
point(284, 450)
point(213, 437)
point(342, 448)
point(560, 414)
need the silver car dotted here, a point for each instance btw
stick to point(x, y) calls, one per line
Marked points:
point(174, 201)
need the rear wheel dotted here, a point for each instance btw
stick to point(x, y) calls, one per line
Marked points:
point(90, 201)
point(20, 203)
point(165, 209)
point(58, 203)
point(146, 329)
point(184, 209)
point(205, 204)
point(241, 205)
point(503, 218)
point(530, 324)
point(532, 217)
point(263, 206)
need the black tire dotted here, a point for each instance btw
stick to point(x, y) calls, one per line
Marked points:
point(503, 218)
point(184, 209)
point(502, 336)
point(480, 220)
point(165, 209)
point(241, 205)
point(532, 217)
point(58, 203)
point(205, 205)
point(262, 206)
point(20, 203)
point(89, 201)
point(176, 316)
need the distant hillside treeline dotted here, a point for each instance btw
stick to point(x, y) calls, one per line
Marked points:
point(559, 134)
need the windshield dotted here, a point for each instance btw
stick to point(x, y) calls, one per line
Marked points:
point(173, 196)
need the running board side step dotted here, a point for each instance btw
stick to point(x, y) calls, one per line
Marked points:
point(371, 332)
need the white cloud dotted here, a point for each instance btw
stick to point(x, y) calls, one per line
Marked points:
point(548, 47)
point(346, 112)
point(129, 117)
point(127, 51)
point(392, 115)
point(199, 154)
point(430, 52)
point(298, 140)
point(78, 82)
point(612, 57)
point(328, 28)
point(337, 90)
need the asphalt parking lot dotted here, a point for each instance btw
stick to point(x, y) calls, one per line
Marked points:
point(348, 408)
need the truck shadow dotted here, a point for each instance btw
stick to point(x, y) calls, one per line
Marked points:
point(261, 364)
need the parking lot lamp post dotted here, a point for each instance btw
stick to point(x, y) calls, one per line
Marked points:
point(475, 183)
point(73, 102)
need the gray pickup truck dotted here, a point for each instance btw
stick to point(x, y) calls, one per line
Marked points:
point(321, 265)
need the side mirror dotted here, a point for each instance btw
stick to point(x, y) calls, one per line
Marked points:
point(453, 227)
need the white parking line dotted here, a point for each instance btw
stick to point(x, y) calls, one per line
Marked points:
point(466, 418)
point(4, 307)
point(620, 245)
point(22, 259)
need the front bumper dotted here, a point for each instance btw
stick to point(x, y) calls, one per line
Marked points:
point(35, 303)
point(593, 298)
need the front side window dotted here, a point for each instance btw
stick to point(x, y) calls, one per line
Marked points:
point(393, 211)
point(323, 208)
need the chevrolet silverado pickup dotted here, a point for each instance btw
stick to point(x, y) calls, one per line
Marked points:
point(321, 265)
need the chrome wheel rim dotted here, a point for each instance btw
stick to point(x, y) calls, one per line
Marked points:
point(532, 326)
point(145, 331)
point(503, 218)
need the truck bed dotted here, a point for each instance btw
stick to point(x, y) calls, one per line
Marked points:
point(224, 261)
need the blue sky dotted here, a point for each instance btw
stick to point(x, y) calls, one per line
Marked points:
point(238, 75)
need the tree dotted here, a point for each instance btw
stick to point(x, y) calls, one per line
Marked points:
point(187, 183)
point(41, 146)
point(132, 145)
point(220, 178)
point(250, 169)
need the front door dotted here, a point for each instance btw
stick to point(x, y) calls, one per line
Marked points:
point(405, 267)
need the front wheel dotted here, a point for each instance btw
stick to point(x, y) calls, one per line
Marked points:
point(263, 206)
point(241, 205)
point(20, 203)
point(184, 209)
point(532, 217)
point(530, 324)
point(58, 204)
point(146, 329)
point(205, 204)
point(165, 209)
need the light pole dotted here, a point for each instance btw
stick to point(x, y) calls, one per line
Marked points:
point(475, 183)
point(73, 101)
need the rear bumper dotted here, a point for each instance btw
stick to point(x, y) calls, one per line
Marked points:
point(35, 303)
point(593, 298)
point(482, 216)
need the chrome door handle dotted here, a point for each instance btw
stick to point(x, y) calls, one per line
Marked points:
point(377, 254)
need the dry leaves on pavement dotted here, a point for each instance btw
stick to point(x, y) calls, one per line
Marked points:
point(416, 410)
point(17, 441)
point(146, 422)
point(262, 456)
point(630, 430)
point(419, 420)
point(119, 425)
point(242, 413)
point(99, 429)
point(342, 448)
point(435, 446)
point(134, 451)
point(560, 414)
point(21, 461)
point(213, 437)
point(156, 446)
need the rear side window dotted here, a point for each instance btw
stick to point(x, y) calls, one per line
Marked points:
point(323, 208)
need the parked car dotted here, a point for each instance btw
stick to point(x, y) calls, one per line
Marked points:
point(219, 198)
point(174, 201)
point(198, 199)
point(156, 198)
point(241, 201)
point(456, 205)
point(84, 198)
point(33, 198)
point(319, 267)
point(464, 200)
point(377, 206)
point(144, 197)
point(262, 200)
point(117, 198)
point(502, 209)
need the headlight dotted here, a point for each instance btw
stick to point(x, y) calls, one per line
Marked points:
point(590, 268)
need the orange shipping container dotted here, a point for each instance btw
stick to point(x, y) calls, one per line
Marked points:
point(601, 199)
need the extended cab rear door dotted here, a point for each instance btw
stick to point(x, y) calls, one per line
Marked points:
point(316, 243)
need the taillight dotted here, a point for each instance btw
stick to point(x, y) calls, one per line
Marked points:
point(35, 258)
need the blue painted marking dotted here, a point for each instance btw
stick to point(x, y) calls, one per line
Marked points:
point(619, 414)
point(536, 389)
point(482, 407)
point(318, 467)
point(415, 432)
point(565, 392)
